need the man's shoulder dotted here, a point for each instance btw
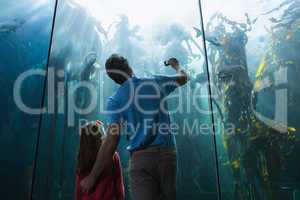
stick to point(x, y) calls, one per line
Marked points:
point(153, 79)
point(112, 100)
point(115, 96)
point(119, 94)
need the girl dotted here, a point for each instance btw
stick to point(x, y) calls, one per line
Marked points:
point(110, 184)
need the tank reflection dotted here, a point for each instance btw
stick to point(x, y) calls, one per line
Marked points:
point(263, 145)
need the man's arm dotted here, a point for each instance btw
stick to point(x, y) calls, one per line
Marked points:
point(104, 156)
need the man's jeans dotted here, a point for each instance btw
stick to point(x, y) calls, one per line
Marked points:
point(152, 174)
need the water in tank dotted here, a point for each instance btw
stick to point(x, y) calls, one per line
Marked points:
point(238, 135)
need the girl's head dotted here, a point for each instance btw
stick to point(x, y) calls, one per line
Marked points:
point(90, 142)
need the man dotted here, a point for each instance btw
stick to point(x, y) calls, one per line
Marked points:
point(139, 107)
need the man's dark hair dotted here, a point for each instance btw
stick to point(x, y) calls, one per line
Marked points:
point(117, 68)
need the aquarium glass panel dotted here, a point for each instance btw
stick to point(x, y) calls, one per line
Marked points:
point(253, 52)
point(146, 33)
point(25, 27)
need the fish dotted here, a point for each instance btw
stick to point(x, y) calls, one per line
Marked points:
point(258, 125)
point(213, 41)
point(199, 32)
point(11, 26)
point(235, 164)
point(225, 145)
point(254, 21)
point(291, 129)
point(226, 163)
point(289, 35)
point(289, 62)
point(261, 68)
point(257, 85)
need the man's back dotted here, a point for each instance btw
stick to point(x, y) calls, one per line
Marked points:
point(142, 107)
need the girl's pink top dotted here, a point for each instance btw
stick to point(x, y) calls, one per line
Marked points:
point(110, 185)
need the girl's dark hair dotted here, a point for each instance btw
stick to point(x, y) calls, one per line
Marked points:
point(90, 142)
point(117, 68)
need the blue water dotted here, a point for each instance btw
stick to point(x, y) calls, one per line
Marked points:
point(253, 67)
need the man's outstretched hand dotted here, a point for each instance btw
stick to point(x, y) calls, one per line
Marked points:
point(181, 77)
point(174, 63)
point(87, 184)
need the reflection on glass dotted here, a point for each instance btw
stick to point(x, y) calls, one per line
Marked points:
point(85, 34)
point(25, 27)
point(253, 49)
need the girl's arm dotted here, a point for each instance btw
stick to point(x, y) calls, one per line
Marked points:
point(78, 189)
point(104, 157)
point(119, 184)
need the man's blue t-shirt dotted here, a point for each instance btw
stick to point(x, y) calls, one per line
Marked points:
point(140, 105)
